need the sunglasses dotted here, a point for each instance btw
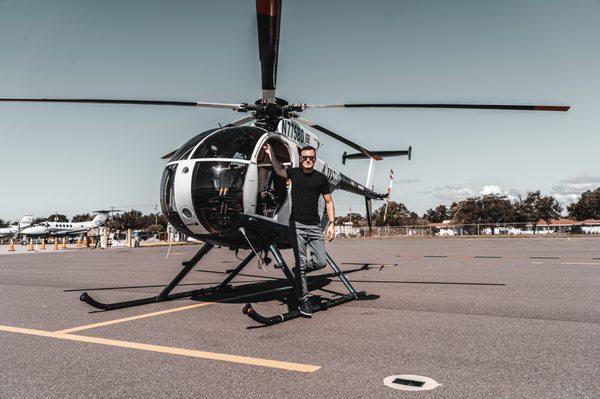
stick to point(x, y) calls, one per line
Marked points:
point(308, 158)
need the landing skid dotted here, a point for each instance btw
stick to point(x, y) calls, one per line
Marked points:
point(315, 306)
point(165, 294)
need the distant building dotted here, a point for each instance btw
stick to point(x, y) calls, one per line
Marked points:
point(346, 229)
point(555, 226)
point(445, 228)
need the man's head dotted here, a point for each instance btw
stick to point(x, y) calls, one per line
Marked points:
point(308, 155)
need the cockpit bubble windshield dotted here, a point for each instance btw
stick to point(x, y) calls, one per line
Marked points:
point(235, 143)
point(217, 190)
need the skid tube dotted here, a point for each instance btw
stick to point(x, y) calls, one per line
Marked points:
point(316, 307)
point(165, 294)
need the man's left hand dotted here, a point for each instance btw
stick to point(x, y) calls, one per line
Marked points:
point(330, 232)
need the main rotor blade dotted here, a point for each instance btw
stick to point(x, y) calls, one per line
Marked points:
point(338, 137)
point(235, 107)
point(562, 108)
point(268, 19)
point(239, 122)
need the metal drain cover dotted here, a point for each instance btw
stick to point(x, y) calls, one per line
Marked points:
point(410, 382)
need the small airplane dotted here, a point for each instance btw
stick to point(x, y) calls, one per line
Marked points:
point(15, 229)
point(62, 229)
point(220, 188)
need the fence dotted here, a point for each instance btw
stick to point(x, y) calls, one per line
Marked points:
point(513, 229)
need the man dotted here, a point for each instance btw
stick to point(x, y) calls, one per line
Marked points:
point(305, 221)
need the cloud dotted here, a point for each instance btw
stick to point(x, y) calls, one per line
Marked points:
point(511, 194)
point(491, 189)
point(581, 179)
point(408, 180)
point(568, 190)
point(451, 193)
point(566, 199)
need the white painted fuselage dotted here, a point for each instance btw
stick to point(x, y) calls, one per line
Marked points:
point(48, 228)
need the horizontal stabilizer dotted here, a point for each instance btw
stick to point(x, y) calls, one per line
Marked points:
point(382, 154)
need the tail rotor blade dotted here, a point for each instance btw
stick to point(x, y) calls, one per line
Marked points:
point(389, 194)
point(268, 18)
point(369, 207)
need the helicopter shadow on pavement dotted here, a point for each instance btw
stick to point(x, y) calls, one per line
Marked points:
point(265, 291)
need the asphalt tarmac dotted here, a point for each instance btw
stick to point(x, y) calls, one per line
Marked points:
point(485, 318)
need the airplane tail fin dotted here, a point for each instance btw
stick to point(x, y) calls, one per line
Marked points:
point(26, 221)
point(100, 219)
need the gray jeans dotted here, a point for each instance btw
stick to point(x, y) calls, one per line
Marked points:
point(303, 237)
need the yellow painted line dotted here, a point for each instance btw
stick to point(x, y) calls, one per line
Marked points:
point(137, 317)
point(252, 361)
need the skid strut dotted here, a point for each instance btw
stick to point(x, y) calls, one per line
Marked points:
point(165, 294)
point(316, 307)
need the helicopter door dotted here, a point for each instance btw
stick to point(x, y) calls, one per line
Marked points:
point(183, 196)
point(270, 191)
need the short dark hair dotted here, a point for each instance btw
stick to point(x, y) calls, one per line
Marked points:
point(308, 148)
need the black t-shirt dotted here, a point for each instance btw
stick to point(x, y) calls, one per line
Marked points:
point(306, 189)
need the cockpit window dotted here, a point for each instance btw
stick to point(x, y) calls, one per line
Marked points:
point(217, 190)
point(235, 142)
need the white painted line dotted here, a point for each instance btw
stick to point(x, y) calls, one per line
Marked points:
point(537, 263)
point(580, 263)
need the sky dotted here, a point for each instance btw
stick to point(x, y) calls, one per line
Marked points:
point(77, 158)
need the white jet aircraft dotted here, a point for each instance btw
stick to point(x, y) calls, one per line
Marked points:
point(47, 228)
point(16, 228)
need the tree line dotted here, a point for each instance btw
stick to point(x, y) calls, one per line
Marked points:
point(486, 209)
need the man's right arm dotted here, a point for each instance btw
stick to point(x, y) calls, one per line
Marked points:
point(279, 169)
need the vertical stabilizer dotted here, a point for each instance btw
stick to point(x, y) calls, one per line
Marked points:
point(26, 221)
point(369, 183)
point(100, 219)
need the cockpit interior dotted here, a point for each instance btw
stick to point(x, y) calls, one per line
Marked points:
point(272, 189)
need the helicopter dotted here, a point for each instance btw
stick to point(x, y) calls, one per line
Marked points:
point(219, 187)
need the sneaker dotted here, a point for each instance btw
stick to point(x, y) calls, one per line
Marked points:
point(305, 308)
point(314, 269)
